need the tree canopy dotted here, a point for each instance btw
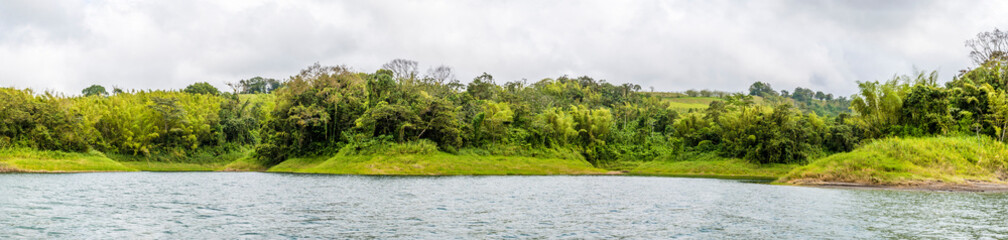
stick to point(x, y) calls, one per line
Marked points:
point(94, 90)
point(325, 110)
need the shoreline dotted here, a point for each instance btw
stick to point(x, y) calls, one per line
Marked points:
point(971, 186)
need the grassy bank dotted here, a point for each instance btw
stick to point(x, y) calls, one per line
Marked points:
point(174, 166)
point(910, 162)
point(684, 104)
point(27, 160)
point(198, 161)
point(710, 165)
point(436, 164)
point(30, 160)
point(245, 164)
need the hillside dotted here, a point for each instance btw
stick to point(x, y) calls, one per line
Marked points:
point(911, 162)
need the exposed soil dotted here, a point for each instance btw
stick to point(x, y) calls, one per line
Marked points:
point(969, 186)
point(7, 169)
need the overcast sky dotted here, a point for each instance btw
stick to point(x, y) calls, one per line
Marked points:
point(670, 45)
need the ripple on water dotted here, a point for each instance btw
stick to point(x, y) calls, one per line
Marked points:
point(241, 205)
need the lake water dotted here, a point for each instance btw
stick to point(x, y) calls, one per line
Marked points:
point(148, 205)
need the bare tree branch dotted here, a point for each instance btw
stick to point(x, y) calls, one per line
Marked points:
point(440, 74)
point(402, 68)
point(989, 46)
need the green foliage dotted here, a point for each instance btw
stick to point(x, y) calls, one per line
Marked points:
point(312, 111)
point(762, 89)
point(908, 161)
point(495, 119)
point(780, 135)
point(256, 85)
point(46, 122)
point(201, 88)
point(711, 165)
point(841, 136)
point(436, 164)
point(879, 105)
point(335, 111)
point(926, 106)
point(94, 90)
point(330, 110)
point(383, 146)
point(483, 87)
point(917, 106)
point(239, 120)
point(396, 120)
point(136, 123)
point(31, 160)
point(998, 118)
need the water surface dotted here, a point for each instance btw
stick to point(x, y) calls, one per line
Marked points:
point(266, 205)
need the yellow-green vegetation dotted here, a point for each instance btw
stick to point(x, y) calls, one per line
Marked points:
point(710, 165)
point(262, 104)
point(174, 166)
point(245, 164)
point(26, 160)
point(684, 104)
point(206, 160)
point(393, 122)
point(910, 161)
point(30, 160)
point(436, 164)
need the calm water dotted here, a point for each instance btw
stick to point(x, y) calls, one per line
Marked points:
point(262, 205)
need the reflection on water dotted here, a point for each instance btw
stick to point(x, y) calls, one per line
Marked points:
point(263, 205)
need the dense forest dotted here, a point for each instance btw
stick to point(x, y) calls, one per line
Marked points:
point(327, 110)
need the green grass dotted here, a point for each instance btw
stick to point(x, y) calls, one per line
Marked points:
point(910, 161)
point(197, 161)
point(244, 164)
point(204, 156)
point(436, 164)
point(26, 160)
point(710, 165)
point(174, 166)
point(684, 104)
point(29, 160)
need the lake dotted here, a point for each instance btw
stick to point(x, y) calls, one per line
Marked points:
point(268, 205)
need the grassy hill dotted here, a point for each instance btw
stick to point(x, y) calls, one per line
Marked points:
point(711, 165)
point(682, 103)
point(685, 104)
point(436, 164)
point(23, 160)
point(910, 162)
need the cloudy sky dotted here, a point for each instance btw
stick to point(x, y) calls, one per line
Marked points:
point(670, 45)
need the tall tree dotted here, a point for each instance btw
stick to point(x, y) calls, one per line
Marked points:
point(483, 87)
point(989, 46)
point(878, 105)
point(998, 100)
point(255, 85)
point(761, 89)
point(94, 90)
point(201, 88)
point(440, 74)
point(402, 69)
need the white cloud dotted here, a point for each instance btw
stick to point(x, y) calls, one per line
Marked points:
point(672, 45)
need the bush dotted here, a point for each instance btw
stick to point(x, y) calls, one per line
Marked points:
point(384, 146)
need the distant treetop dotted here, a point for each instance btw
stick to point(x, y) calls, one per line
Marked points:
point(94, 90)
point(201, 88)
point(256, 85)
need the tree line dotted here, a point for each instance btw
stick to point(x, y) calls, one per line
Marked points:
point(334, 110)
